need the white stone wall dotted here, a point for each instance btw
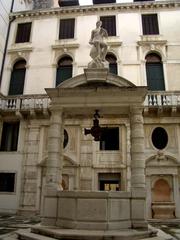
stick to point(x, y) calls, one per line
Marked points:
point(44, 49)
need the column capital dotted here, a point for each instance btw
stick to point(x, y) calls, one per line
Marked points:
point(136, 110)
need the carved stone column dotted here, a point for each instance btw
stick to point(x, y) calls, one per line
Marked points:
point(137, 168)
point(55, 149)
point(54, 166)
point(137, 149)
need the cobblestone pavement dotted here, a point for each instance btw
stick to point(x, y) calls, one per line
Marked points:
point(9, 224)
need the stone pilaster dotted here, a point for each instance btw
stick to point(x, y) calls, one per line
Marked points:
point(137, 169)
point(53, 168)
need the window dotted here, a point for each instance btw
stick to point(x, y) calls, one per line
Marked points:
point(9, 139)
point(64, 70)
point(109, 23)
point(66, 28)
point(154, 72)
point(112, 63)
point(109, 139)
point(159, 138)
point(143, 0)
point(150, 24)
point(103, 1)
point(23, 32)
point(7, 182)
point(65, 3)
point(109, 181)
point(17, 78)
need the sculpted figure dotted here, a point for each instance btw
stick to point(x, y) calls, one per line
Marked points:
point(99, 46)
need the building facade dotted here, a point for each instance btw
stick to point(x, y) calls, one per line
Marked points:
point(48, 92)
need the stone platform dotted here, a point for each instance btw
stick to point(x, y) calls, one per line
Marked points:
point(50, 233)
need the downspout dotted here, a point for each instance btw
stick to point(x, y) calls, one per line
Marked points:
point(6, 43)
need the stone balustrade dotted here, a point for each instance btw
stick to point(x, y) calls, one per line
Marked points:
point(162, 98)
point(40, 102)
point(26, 103)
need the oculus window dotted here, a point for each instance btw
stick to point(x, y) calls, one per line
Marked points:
point(159, 138)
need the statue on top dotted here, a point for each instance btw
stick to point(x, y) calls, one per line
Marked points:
point(99, 46)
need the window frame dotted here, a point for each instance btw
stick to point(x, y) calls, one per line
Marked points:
point(101, 148)
point(115, 24)
point(74, 29)
point(15, 182)
point(30, 33)
point(4, 144)
point(145, 31)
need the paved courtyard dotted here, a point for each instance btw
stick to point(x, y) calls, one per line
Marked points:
point(9, 224)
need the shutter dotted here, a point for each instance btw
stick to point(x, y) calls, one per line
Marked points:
point(150, 24)
point(17, 82)
point(63, 73)
point(109, 23)
point(155, 77)
point(66, 28)
point(23, 32)
point(9, 138)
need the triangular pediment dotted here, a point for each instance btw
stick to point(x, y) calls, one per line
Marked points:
point(96, 78)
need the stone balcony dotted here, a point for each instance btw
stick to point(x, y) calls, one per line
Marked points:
point(162, 102)
point(156, 101)
point(24, 105)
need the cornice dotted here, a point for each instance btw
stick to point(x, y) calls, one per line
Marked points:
point(100, 8)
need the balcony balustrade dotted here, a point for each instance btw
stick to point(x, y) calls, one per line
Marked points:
point(30, 104)
point(25, 104)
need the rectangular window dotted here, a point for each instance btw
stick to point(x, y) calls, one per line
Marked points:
point(9, 139)
point(66, 28)
point(109, 23)
point(150, 24)
point(7, 182)
point(23, 32)
point(109, 181)
point(109, 139)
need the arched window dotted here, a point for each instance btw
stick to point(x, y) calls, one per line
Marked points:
point(64, 69)
point(112, 63)
point(17, 78)
point(154, 72)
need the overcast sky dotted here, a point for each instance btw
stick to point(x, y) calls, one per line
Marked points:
point(89, 2)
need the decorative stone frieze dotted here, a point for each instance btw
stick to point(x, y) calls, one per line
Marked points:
point(103, 8)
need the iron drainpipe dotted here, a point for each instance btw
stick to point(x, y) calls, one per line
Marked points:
point(6, 43)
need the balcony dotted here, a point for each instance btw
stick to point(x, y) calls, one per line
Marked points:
point(38, 105)
point(162, 102)
point(33, 105)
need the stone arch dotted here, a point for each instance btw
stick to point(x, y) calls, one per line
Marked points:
point(101, 77)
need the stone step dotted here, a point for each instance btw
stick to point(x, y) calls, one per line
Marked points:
point(27, 235)
point(74, 234)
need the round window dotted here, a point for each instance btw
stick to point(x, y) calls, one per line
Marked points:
point(66, 138)
point(159, 138)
